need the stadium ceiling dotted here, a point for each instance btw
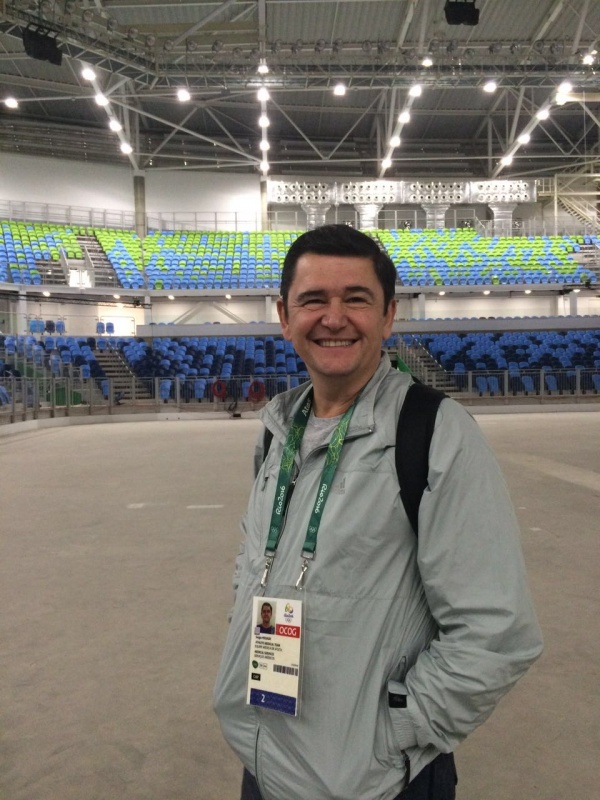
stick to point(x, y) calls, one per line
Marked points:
point(143, 52)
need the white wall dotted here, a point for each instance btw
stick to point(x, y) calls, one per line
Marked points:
point(201, 191)
point(70, 183)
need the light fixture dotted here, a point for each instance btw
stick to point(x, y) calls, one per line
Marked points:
point(319, 45)
point(543, 113)
point(88, 74)
point(367, 46)
point(263, 67)
point(427, 61)
point(486, 291)
point(263, 94)
point(490, 86)
point(115, 125)
point(183, 95)
point(263, 121)
point(404, 117)
point(276, 46)
point(117, 296)
point(88, 15)
point(338, 45)
point(217, 46)
point(11, 102)
point(339, 89)
point(227, 297)
point(524, 138)
point(506, 160)
point(297, 46)
point(46, 294)
point(566, 87)
point(576, 291)
point(415, 90)
point(395, 141)
point(527, 291)
point(111, 24)
point(588, 59)
point(264, 166)
point(442, 293)
point(126, 148)
point(150, 40)
point(101, 100)
point(264, 145)
point(386, 163)
point(171, 297)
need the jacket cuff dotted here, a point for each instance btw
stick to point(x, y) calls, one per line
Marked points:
point(402, 723)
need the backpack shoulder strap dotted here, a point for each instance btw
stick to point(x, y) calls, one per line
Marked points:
point(413, 438)
point(267, 439)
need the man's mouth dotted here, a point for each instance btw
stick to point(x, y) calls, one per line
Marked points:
point(335, 342)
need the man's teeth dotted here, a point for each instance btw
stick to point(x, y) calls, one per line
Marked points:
point(335, 342)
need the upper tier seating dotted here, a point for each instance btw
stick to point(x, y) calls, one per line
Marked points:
point(458, 257)
point(25, 246)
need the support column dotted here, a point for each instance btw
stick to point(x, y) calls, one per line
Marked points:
point(503, 218)
point(268, 308)
point(573, 304)
point(139, 200)
point(368, 214)
point(21, 321)
point(264, 205)
point(435, 214)
point(147, 310)
point(315, 215)
point(417, 306)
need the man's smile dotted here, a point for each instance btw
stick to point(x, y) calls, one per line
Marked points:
point(334, 342)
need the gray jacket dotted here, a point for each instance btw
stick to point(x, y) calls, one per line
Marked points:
point(446, 619)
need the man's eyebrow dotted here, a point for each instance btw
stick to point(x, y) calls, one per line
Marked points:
point(310, 294)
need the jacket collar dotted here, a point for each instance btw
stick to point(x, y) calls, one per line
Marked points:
point(278, 414)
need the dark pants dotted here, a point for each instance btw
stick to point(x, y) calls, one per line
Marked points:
point(436, 781)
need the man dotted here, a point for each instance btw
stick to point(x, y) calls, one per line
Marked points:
point(266, 612)
point(408, 643)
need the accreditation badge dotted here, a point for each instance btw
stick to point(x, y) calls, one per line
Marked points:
point(275, 650)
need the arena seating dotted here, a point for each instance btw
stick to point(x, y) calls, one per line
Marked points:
point(24, 246)
point(457, 257)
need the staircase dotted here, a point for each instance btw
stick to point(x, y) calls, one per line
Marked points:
point(582, 210)
point(121, 376)
point(97, 263)
point(424, 367)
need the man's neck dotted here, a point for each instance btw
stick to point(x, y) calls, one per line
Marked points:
point(333, 400)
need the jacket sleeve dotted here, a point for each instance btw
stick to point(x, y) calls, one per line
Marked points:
point(473, 574)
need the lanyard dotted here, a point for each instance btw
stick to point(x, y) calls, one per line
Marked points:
point(284, 484)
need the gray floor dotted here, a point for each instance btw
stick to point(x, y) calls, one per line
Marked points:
point(115, 558)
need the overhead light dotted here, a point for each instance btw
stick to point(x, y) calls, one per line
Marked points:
point(183, 95)
point(395, 141)
point(576, 291)
point(126, 148)
point(338, 45)
point(263, 94)
point(415, 90)
point(442, 293)
point(115, 125)
point(427, 61)
point(46, 294)
point(117, 296)
point(263, 121)
point(527, 291)
point(561, 99)
point(339, 89)
point(88, 74)
point(543, 113)
point(101, 100)
point(486, 291)
point(404, 117)
point(490, 86)
point(566, 87)
point(524, 138)
point(263, 68)
point(319, 45)
point(171, 297)
point(297, 46)
point(588, 59)
point(264, 166)
point(11, 102)
point(506, 160)
point(386, 163)
point(264, 145)
point(227, 297)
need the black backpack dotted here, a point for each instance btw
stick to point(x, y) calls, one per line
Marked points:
point(413, 438)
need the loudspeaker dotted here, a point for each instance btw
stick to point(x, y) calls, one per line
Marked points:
point(461, 12)
point(41, 46)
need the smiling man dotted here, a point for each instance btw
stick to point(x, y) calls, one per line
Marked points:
point(407, 644)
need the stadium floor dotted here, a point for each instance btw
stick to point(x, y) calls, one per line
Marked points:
point(115, 564)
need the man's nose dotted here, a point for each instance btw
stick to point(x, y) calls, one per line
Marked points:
point(335, 315)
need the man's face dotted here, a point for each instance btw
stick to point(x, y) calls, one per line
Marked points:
point(335, 318)
point(265, 614)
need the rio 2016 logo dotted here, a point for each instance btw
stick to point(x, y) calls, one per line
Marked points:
point(288, 612)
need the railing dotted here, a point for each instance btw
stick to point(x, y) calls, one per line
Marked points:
point(24, 399)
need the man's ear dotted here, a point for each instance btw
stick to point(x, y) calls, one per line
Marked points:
point(283, 318)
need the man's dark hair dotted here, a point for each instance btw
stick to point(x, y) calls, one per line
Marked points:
point(340, 240)
point(266, 605)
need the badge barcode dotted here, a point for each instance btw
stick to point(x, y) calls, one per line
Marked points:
point(285, 670)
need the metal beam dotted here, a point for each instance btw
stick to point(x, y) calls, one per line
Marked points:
point(204, 21)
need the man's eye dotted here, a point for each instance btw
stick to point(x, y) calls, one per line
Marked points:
point(314, 302)
point(356, 301)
